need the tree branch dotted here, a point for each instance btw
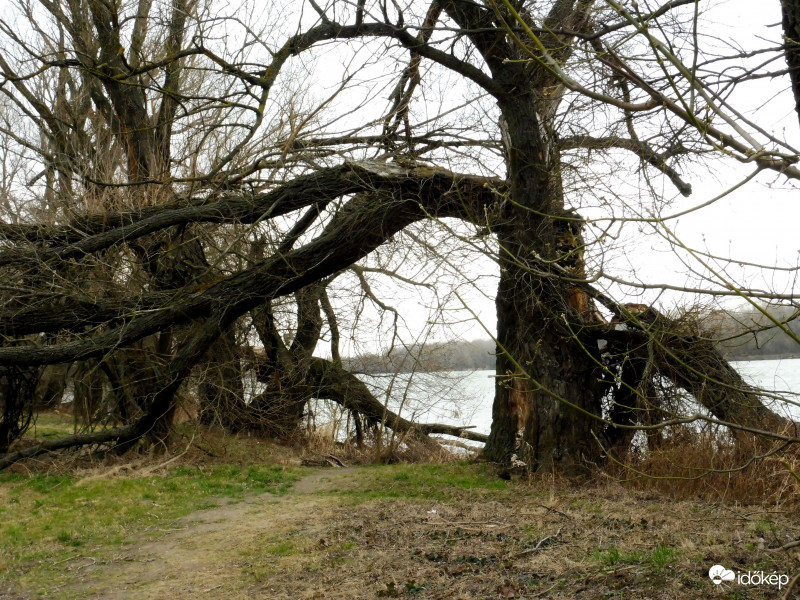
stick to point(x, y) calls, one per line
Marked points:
point(641, 149)
point(398, 198)
point(330, 381)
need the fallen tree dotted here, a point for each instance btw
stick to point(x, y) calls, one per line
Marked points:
point(175, 204)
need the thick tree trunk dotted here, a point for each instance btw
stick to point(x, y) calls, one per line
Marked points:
point(681, 353)
point(548, 386)
point(547, 381)
point(221, 390)
point(790, 12)
point(17, 385)
point(279, 409)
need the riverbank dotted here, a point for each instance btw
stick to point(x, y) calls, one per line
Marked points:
point(408, 531)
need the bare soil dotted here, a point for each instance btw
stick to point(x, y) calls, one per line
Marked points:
point(328, 538)
point(203, 553)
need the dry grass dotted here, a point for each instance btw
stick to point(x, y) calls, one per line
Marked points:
point(387, 449)
point(686, 466)
point(435, 531)
point(543, 539)
point(713, 469)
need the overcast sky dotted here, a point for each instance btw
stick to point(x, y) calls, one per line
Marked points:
point(757, 224)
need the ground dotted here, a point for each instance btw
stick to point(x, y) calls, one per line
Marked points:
point(450, 531)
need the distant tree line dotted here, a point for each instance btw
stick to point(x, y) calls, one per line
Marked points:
point(456, 355)
point(747, 333)
point(758, 332)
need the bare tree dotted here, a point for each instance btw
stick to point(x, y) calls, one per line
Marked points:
point(189, 184)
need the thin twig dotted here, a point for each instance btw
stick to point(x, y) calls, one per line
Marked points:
point(66, 560)
point(538, 545)
point(463, 523)
point(94, 562)
point(563, 514)
point(542, 593)
point(789, 546)
point(790, 587)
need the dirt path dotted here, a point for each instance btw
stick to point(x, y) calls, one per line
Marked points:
point(201, 554)
point(450, 537)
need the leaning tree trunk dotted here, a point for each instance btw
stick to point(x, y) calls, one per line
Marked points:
point(548, 384)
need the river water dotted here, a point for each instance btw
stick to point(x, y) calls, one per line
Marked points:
point(465, 398)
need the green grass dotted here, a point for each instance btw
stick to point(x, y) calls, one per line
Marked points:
point(432, 482)
point(51, 425)
point(286, 548)
point(762, 527)
point(607, 557)
point(46, 519)
point(662, 556)
point(659, 558)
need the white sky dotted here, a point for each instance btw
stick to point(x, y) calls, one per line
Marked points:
point(757, 224)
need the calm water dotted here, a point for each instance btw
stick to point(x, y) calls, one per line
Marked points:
point(465, 398)
point(781, 376)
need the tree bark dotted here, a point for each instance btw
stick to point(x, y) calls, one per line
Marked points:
point(221, 389)
point(548, 379)
point(548, 393)
point(790, 11)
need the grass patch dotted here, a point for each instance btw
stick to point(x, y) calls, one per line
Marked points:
point(662, 556)
point(659, 558)
point(282, 549)
point(762, 527)
point(440, 482)
point(49, 425)
point(607, 557)
point(49, 519)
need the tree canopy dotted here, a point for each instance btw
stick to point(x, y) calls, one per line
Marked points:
point(195, 195)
